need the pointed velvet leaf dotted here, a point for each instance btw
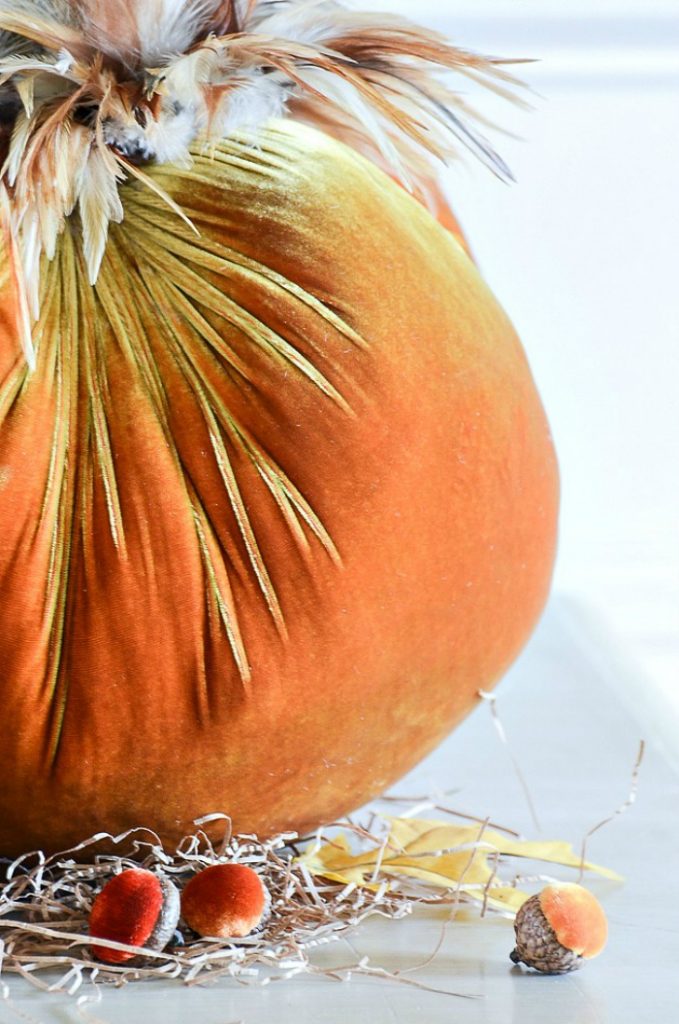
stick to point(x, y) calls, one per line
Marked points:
point(441, 856)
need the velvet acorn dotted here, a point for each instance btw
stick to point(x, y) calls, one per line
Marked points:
point(225, 901)
point(136, 908)
point(559, 928)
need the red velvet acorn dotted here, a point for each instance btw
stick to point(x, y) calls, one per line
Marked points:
point(137, 908)
point(560, 928)
point(225, 901)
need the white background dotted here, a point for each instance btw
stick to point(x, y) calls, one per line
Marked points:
point(583, 252)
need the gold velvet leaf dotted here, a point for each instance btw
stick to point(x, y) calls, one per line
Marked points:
point(437, 855)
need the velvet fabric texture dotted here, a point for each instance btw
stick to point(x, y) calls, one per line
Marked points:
point(279, 499)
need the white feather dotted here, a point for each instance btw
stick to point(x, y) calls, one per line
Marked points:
point(251, 105)
point(305, 21)
point(17, 146)
point(169, 27)
point(171, 136)
point(183, 78)
point(99, 204)
point(30, 253)
point(62, 11)
point(347, 98)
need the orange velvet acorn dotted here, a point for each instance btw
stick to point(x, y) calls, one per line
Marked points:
point(559, 928)
point(136, 908)
point(225, 901)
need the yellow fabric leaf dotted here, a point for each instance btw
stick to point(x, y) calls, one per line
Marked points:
point(441, 856)
point(419, 835)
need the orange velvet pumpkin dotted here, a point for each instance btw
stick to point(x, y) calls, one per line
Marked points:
point(276, 503)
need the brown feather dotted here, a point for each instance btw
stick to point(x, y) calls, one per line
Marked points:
point(225, 18)
point(112, 20)
point(52, 35)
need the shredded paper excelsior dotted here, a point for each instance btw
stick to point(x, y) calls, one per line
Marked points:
point(321, 889)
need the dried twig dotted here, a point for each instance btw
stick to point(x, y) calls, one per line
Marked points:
point(491, 700)
point(620, 810)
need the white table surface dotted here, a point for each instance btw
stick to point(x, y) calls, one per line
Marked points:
point(574, 716)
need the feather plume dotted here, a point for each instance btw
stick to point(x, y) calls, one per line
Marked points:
point(90, 89)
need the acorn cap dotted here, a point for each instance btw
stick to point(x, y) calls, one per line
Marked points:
point(559, 928)
point(225, 901)
point(137, 908)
